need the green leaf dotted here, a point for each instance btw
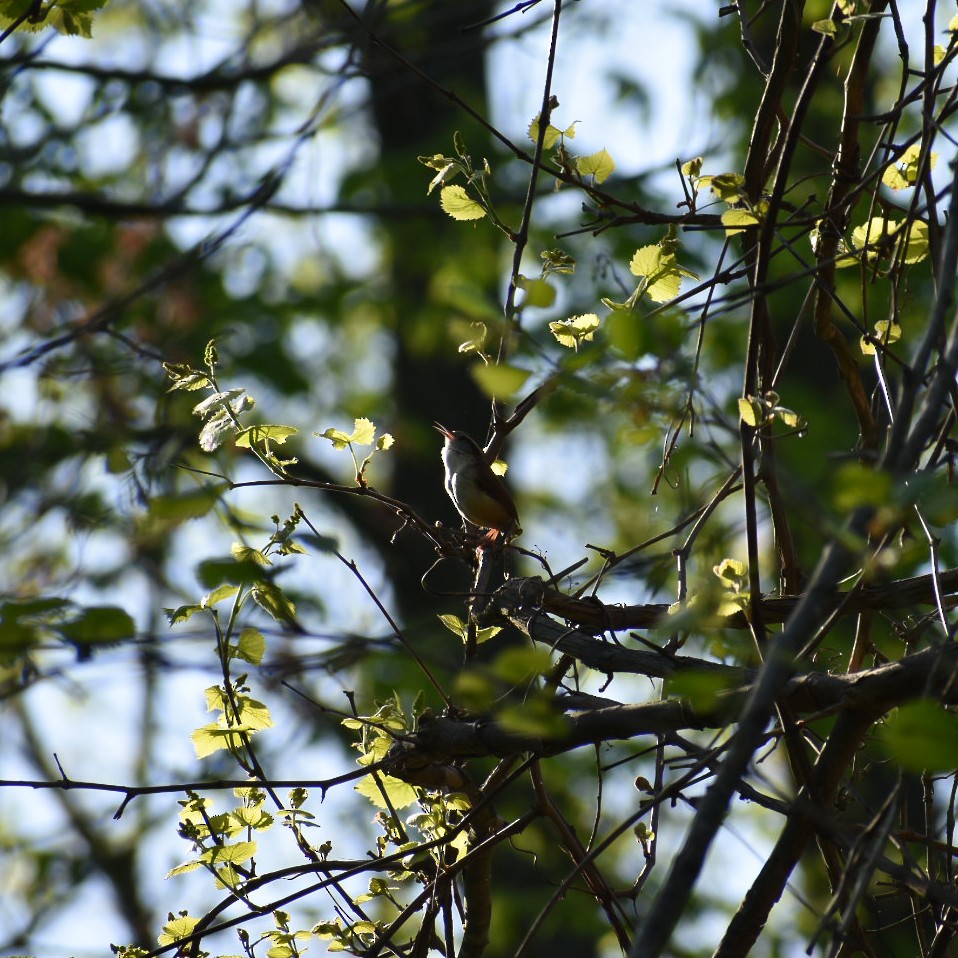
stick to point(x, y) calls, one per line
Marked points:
point(751, 411)
point(444, 164)
point(903, 173)
point(212, 738)
point(455, 625)
point(538, 292)
point(857, 485)
point(216, 431)
point(917, 245)
point(364, 431)
point(187, 378)
point(881, 237)
point(790, 418)
point(337, 437)
point(552, 133)
point(827, 28)
point(401, 794)
point(229, 854)
point(731, 571)
point(922, 736)
point(457, 203)
point(363, 434)
point(251, 646)
point(557, 261)
point(500, 381)
point(177, 928)
point(535, 716)
point(212, 573)
point(69, 17)
point(245, 553)
point(182, 614)
point(658, 266)
point(726, 186)
point(886, 331)
point(520, 663)
point(191, 505)
point(475, 343)
point(626, 333)
point(99, 624)
point(600, 165)
point(262, 435)
point(703, 690)
point(271, 598)
point(184, 868)
point(459, 628)
point(234, 400)
point(576, 330)
point(738, 220)
point(217, 595)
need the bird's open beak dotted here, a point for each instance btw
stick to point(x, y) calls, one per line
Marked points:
point(448, 433)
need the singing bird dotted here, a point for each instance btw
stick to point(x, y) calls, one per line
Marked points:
point(476, 491)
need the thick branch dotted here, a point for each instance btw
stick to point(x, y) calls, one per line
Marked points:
point(594, 617)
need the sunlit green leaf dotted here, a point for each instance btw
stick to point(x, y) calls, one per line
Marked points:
point(176, 929)
point(401, 794)
point(251, 646)
point(459, 205)
point(738, 220)
point(904, 171)
point(576, 330)
point(255, 435)
point(886, 331)
point(600, 165)
point(271, 598)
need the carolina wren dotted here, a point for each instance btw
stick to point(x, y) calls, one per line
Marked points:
point(476, 491)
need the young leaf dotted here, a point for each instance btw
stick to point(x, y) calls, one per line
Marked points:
point(600, 165)
point(364, 431)
point(726, 186)
point(886, 331)
point(185, 377)
point(254, 435)
point(751, 411)
point(662, 273)
point(904, 171)
point(271, 598)
point(177, 928)
point(455, 625)
point(576, 330)
point(218, 595)
point(552, 133)
point(251, 646)
point(556, 261)
point(400, 793)
point(459, 205)
point(216, 431)
point(738, 220)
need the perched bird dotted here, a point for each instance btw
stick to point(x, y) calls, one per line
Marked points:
point(476, 491)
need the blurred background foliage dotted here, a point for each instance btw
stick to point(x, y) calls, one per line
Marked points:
point(248, 173)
